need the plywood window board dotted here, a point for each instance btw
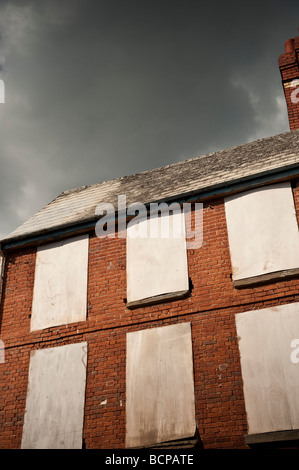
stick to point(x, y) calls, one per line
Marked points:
point(263, 234)
point(60, 285)
point(160, 404)
point(157, 267)
point(55, 398)
point(270, 377)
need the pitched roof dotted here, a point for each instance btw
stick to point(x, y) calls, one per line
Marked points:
point(214, 171)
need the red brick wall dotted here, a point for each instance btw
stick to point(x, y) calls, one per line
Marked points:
point(211, 309)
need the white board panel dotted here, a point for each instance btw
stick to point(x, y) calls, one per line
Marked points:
point(270, 378)
point(160, 389)
point(55, 398)
point(157, 265)
point(262, 231)
point(60, 285)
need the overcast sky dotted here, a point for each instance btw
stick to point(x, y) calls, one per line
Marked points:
point(98, 89)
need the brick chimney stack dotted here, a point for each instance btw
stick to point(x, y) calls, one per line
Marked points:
point(289, 69)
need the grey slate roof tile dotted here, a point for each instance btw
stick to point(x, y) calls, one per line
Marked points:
point(183, 178)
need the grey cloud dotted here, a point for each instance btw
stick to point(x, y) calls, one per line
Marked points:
point(101, 89)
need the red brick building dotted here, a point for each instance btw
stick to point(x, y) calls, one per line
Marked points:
point(121, 341)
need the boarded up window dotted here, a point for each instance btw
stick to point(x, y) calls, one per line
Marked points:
point(271, 379)
point(60, 287)
point(55, 398)
point(160, 390)
point(262, 231)
point(157, 259)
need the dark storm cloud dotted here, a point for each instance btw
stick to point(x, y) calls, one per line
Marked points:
point(101, 89)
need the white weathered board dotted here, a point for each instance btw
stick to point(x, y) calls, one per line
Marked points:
point(159, 385)
point(270, 378)
point(55, 398)
point(60, 285)
point(156, 265)
point(262, 231)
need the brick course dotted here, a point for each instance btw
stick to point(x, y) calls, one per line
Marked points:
point(210, 307)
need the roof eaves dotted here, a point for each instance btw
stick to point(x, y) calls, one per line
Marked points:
point(209, 192)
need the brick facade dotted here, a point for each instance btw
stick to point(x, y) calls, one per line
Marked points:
point(210, 307)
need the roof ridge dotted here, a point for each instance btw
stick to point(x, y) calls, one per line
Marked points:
point(219, 168)
point(170, 165)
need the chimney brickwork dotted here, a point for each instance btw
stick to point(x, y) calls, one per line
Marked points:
point(289, 69)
